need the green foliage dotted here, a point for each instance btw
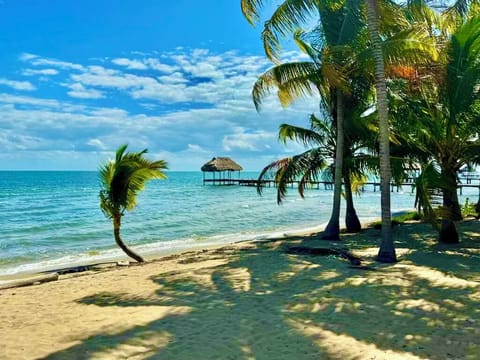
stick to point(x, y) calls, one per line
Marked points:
point(303, 168)
point(288, 16)
point(428, 187)
point(123, 178)
point(400, 219)
point(468, 208)
point(409, 216)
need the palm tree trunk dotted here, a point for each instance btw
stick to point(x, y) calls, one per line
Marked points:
point(448, 231)
point(352, 223)
point(386, 252)
point(119, 241)
point(332, 231)
point(450, 196)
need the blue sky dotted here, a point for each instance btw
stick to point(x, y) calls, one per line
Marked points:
point(80, 78)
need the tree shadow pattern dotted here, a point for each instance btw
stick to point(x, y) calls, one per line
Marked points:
point(265, 297)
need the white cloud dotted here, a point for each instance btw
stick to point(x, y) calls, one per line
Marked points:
point(65, 65)
point(25, 100)
point(30, 72)
point(193, 105)
point(157, 65)
point(97, 143)
point(130, 64)
point(18, 85)
point(27, 56)
point(196, 148)
point(173, 78)
point(106, 113)
point(253, 141)
point(79, 91)
point(108, 78)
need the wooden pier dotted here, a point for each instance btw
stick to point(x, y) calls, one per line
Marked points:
point(326, 185)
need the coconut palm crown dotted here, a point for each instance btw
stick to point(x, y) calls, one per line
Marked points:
point(122, 180)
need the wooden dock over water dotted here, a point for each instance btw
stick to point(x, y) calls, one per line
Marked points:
point(327, 185)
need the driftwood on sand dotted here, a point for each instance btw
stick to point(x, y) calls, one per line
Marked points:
point(307, 250)
point(31, 280)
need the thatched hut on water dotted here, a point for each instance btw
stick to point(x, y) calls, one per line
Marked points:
point(224, 166)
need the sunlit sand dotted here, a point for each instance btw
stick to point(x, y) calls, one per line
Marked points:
point(256, 301)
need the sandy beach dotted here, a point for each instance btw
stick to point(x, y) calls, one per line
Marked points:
point(256, 300)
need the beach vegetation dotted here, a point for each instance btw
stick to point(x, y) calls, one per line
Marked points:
point(438, 114)
point(355, 42)
point(468, 208)
point(328, 74)
point(400, 219)
point(121, 180)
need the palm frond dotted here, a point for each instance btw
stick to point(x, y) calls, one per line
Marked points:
point(341, 21)
point(124, 178)
point(250, 10)
point(293, 80)
point(302, 168)
point(307, 137)
point(288, 16)
point(411, 46)
point(463, 69)
point(417, 11)
point(460, 11)
point(316, 162)
point(428, 187)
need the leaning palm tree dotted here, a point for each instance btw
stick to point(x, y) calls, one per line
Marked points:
point(121, 181)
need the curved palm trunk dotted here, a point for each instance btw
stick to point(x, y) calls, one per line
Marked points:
point(387, 249)
point(352, 223)
point(332, 231)
point(116, 232)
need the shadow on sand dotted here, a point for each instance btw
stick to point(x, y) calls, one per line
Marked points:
point(267, 304)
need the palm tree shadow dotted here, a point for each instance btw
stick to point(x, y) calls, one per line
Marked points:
point(237, 313)
point(263, 297)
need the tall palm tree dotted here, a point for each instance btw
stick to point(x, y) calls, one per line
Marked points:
point(121, 181)
point(386, 252)
point(292, 13)
point(338, 28)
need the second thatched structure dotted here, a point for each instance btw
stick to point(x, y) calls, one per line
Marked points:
point(222, 169)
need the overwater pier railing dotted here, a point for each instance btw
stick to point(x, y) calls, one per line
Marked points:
point(328, 185)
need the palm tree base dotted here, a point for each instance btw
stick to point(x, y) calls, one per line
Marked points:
point(448, 233)
point(386, 257)
point(352, 223)
point(333, 236)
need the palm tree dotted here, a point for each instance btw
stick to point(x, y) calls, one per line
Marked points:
point(338, 29)
point(445, 110)
point(305, 166)
point(320, 137)
point(386, 252)
point(292, 13)
point(121, 181)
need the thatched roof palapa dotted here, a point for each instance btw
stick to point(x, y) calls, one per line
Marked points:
point(221, 164)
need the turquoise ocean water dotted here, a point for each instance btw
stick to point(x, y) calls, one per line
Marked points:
point(52, 219)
